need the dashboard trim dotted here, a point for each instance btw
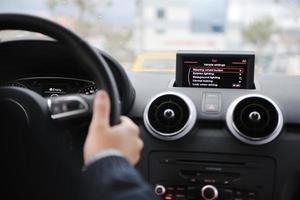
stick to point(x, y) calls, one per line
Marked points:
point(54, 77)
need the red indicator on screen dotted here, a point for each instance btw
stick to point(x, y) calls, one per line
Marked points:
point(190, 62)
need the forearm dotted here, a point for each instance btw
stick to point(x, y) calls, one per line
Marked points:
point(113, 178)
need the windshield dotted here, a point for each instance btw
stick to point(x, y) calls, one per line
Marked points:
point(129, 29)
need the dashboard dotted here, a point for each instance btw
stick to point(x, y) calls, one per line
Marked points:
point(226, 141)
point(207, 150)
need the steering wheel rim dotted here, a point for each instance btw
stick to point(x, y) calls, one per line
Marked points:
point(94, 63)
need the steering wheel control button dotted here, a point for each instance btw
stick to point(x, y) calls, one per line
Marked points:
point(209, 192)
point(170, 116)
point(64, 107)
point(159, 190)
point(211, 103)
point(254, 119)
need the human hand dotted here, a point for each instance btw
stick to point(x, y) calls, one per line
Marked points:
point(123, 137)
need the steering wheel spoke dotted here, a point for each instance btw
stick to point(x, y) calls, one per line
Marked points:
point(70, 106)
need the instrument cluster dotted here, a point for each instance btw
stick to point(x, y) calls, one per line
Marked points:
point(55, 86)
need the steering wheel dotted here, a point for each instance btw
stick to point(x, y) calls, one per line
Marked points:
point(33, 146)
point(26, 103)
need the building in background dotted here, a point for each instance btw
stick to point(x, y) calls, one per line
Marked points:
point(277, 22)
point(179, 24)
point(125, 29)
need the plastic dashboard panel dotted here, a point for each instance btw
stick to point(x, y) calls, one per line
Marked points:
point(211, 136)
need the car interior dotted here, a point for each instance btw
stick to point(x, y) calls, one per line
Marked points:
point(212, 129)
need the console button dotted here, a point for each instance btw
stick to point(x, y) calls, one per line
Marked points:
point(250, 195)
point(159, 190)
point(211, 102)
point(227, 194)
point(209, 192)
point(211, 107)
point(209, 180)
point(169, 197)
point(180, 190)
point(170, 189)
point(239, 193)
point(180, 197)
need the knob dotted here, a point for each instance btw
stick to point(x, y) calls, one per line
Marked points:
point(255, 116)
point(209, 192)
point(159, 190)
point(169, 114)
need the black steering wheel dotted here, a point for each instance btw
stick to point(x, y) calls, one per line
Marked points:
point(26, 102)
point(32, 145)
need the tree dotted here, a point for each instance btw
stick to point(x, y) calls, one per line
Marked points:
point(84, 12)
point(259, 32)
point(86, 16)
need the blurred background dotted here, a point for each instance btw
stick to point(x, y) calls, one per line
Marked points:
point(144, 35)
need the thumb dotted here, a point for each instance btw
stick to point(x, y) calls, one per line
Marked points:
point(101, 110)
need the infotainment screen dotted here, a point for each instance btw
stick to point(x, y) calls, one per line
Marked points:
point(215, 69)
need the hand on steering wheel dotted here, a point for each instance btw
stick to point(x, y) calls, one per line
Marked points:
point(123, 137)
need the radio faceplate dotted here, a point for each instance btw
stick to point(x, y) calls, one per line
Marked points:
point(198, 176)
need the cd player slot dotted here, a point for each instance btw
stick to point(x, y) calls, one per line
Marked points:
point(188, 173)
point(208, 163)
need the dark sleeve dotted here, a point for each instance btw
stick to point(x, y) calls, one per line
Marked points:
point(113, 178)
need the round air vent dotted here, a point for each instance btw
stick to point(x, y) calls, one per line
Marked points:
point(254, 119)
point(170, 116)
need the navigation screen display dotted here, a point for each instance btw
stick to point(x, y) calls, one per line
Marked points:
point(215, 70)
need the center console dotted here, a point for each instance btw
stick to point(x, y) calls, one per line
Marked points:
point(204, 176)
point(193, 170)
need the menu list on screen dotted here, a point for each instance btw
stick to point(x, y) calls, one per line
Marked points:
point(215, 70)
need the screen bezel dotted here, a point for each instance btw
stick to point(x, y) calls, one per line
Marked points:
point(250, 56)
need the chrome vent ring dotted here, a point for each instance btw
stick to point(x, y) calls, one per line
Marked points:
point(254, 119)
point(170, 116)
